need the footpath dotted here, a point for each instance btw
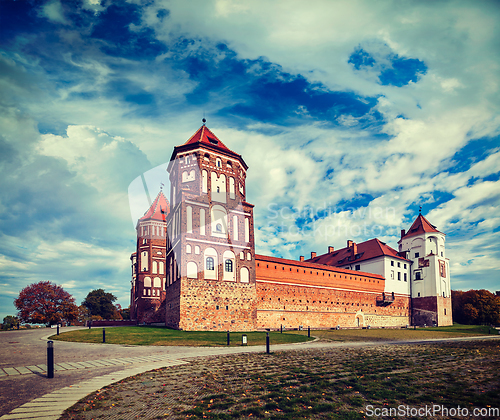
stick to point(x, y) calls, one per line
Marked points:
point(96, 374)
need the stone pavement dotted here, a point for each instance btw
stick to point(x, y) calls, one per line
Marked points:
point(97, 373)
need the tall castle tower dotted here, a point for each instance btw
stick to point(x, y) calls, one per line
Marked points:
point(210, 251)
point(148, 264)
point(430, 286)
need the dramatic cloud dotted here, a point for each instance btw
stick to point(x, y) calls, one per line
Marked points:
point(350, 115)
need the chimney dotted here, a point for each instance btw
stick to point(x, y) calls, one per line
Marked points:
point(313, 255)
point(349, 243)
point(354, 248)
point(331, 249)
point(402, 233)
point(301, 258)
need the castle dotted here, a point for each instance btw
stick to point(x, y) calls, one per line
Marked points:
point(195, 266)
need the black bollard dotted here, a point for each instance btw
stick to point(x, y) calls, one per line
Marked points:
point(104, 335)
point(50, 359)
point(308, 331)
point(281, 328)
point(57, 329)
point(90, 325)
point(228, 339)
point(267, 343)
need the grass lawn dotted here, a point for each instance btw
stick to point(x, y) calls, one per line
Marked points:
point(160, 336)
point(456, 330)
point(335, 383)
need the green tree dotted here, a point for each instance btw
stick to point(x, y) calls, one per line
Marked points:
point(9, 322)
point(45, 303)
point(100, 303)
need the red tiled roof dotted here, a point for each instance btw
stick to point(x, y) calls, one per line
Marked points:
point(312, 264)
point(158, 210)
point(364, 251)
point(420, 225)
point(206, 137)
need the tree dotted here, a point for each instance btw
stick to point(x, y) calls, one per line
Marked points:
point(475, 307)
point(9, 322)
point(100, 303)
point(45, 303)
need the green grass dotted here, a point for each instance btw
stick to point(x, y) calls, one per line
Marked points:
point(334, 383)
point(379, 334)
point(161, 336)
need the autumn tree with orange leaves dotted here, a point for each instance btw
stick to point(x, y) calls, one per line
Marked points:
point(480, 307)
point(45, 303)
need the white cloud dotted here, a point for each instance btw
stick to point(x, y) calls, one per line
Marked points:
point(53, 11)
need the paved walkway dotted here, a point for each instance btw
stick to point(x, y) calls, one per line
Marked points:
point(51, 405)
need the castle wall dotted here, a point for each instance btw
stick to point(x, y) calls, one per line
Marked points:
point(216, 305)
point(291, 294)
point(432, 309)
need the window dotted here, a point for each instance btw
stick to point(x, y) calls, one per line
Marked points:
point(358, 267)
point(219, 163)
point(210, 263)
point(417, 254)
point(392, 263)
point(442, 255)
point(399, 264)
point(418, 275)
point(404, 276)
point(418, 294)
point(229, 266)
point(218, 228)
point(399, 275)
point(404, 265)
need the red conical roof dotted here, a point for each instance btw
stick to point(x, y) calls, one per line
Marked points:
point(420, 225)
point(158, 210)
point(206, 137)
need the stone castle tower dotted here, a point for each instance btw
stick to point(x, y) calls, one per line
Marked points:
point(430, 289)
point(148, 264)
point(210, 251)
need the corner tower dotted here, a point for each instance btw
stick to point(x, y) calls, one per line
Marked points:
point(148, 264)
point(430, 285)
point(210, 254)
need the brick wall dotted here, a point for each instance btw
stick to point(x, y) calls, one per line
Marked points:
point(217, 305)
point(432, 309)
point(293, 293)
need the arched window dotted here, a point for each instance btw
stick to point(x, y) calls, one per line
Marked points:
point(210, 263)
point(218, 221)
point(157, 282)
point(204, 184)
point(155, 267)
point(244, 275)
point(161, 269)
point(189, 222)
point(192, 270)
point(188, 249)
point(229, 266)
point(147, 281)
point(218, 163)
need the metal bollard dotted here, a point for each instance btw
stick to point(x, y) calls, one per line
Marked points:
point(50, 359)
point(104, 335)
point(267, 343)
point(57, 329)
point(228, 338)
point(309, 331)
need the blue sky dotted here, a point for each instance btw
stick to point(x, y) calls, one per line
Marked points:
point(350, 115)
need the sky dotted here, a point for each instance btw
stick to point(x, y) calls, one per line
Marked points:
point(350, 115)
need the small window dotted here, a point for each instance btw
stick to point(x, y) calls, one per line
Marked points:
point(404, 265)
point(210, 263)
point(399, 264)
point(218, 163)
point(417, 254)
point(392, 263)
point(442, 255)
point(399, 276)
point(229, 266)
point(358, 267)
point(417, 275)
point(212, 140)
point(218, 228)
point(418, 294)
point(216, 307)
point(404, 275)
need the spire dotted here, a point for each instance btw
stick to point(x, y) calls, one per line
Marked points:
point(420, 225)
point(159, 209)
